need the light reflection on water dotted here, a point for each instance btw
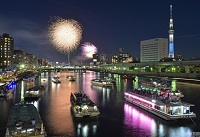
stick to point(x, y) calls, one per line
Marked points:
point(134, 118)
point(85, 129)
point(117, 118)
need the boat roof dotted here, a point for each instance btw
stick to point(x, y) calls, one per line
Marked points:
point(161, 103)
point(81, 94)
point(23, 113)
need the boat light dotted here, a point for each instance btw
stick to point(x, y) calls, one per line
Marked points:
point(154, 101)
point(85, 107)
point(141, 99)
point(95, 107)
point(23, 131)
point(30, 129)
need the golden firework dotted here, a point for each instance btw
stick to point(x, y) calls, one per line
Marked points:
point(65, 34)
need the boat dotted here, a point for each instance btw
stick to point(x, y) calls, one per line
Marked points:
point(155, 84)
point(56, 79)
point(29, 78)
point(30, 83)
point(128, 77)
point(160, 89)
point(82, 106)
point(102, 82)
point(3, 92)
point(71, 78)
point(34, 92)
point(168, 108)
point(24, 120)
point(6, 88)
point(113, 80)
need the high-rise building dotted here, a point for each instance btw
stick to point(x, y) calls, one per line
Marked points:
point(123, 56)
point(171, 35)
point(22, 58)
point(103, 58)
point(95, 59)
point(153, 49)
point(114, 59)
point(19, 57)
point(6, 51)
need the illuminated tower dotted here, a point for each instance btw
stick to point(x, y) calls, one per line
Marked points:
point(171, 35)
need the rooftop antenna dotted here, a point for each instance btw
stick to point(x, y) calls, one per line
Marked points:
point(171, 11)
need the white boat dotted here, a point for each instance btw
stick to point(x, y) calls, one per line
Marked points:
point(24, 120)
point(102, 83)
point(56, 79)
point(71, 78)
point(110, 79)
point(30, 83)
point(82, 106)
point(34, 92)
point(168, 108)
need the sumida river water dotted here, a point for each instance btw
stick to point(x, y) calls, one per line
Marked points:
point(117, 119)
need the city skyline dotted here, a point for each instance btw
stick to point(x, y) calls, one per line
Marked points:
point(109, 25)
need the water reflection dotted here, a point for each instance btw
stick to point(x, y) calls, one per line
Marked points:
point(135, 119)
point(104, 92)
point(86, 128)
point(117, 118)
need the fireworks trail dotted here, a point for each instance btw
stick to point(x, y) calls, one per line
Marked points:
point(88, 49)
point(64, 34)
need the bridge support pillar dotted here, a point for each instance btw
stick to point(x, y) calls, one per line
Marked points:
point(187, 69)
point(159, 68)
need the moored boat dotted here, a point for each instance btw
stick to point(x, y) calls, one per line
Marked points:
point(3, 91)
point(102, 83)
point(168, 108)
point(110, 79)
point(24, 120)
point(82, 106)
point(34, 92)
point(30, 83)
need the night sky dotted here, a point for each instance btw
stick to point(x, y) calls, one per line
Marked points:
point(108, 24)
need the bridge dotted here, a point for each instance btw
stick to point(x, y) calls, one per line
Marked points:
point(182, 69)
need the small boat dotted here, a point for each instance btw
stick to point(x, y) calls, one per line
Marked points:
point(30, 83)
point(82, 106)
point(3, 92)
point(29, 78)
point(128, 77)
point(24, 120)
point(71, 78)
point(34, 92)
point(56, 79)
point(168, 108)
point(102, 83)
point(113, 80)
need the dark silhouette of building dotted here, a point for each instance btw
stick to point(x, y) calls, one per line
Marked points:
point(6, 51)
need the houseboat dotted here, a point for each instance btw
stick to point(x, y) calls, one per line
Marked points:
point(82, 106)
point(102, 83)
point(30, 83)
point(34, 92)
point(24, 120)
point(167, 107)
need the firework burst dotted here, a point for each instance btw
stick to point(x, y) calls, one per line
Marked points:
point(64, 34)
point(88, 49)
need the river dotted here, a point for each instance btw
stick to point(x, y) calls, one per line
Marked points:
point(117, 119)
